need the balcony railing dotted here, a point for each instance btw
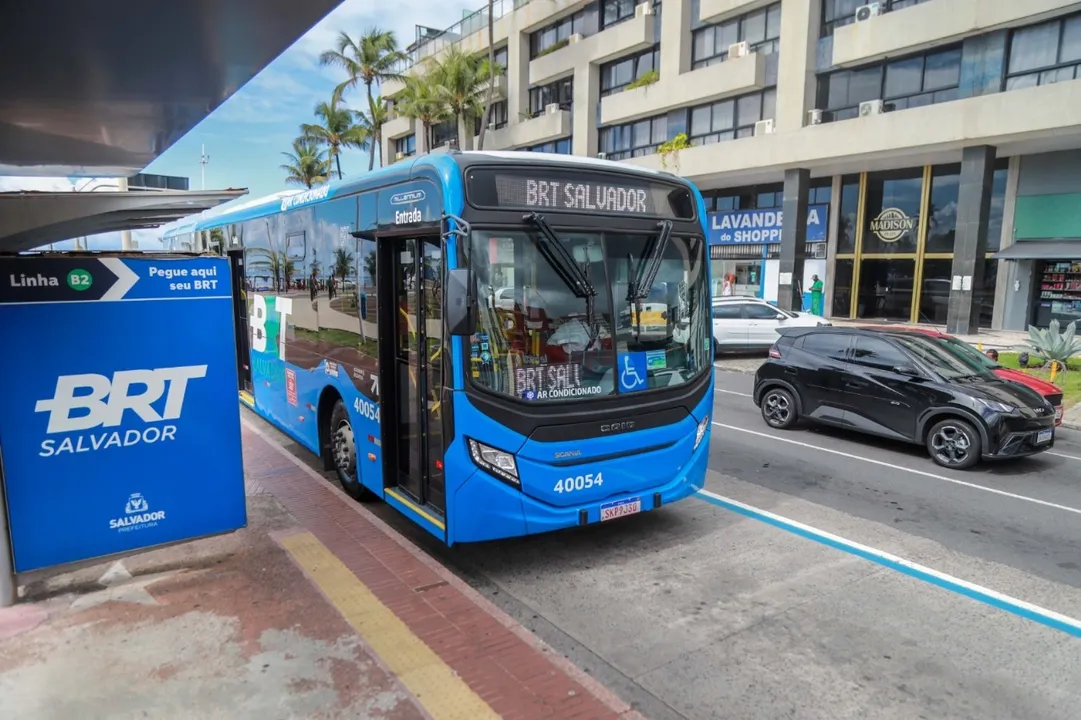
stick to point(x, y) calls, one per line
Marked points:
point(430, 44)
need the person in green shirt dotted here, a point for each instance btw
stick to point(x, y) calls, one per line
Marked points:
point(816, 296)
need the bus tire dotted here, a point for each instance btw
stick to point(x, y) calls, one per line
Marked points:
point(343, 453)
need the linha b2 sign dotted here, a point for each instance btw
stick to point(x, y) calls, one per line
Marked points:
point(762, 227)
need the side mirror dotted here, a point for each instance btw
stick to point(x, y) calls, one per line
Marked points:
point(908, 370)
point(459, 310)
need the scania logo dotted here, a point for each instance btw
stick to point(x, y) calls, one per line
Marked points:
point(406, 198)
point(568, 454)
point(621, 426)
point(892, 224)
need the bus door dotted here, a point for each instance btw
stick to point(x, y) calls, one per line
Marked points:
point(412, 421)
point(240, 319)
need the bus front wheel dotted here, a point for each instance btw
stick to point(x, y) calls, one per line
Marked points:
point(343, 451)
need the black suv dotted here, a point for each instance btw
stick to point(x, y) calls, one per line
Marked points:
point(902, 386)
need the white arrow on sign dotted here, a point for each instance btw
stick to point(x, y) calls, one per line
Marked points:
point(375, 385)
point(125, 278)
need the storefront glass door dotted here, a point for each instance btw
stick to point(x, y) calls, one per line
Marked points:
point(886, 288)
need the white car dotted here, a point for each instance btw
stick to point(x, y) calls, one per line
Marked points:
point(743, 323)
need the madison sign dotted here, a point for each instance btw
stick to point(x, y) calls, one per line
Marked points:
point(892, 224)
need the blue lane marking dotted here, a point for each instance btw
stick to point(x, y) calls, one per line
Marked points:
point(1044, 617)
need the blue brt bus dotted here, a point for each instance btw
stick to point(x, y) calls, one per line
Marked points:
point(496, 344)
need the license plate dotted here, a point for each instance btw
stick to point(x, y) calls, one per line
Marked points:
point(1044, 436)
point(620, 508)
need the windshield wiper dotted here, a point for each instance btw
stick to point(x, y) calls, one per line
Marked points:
point(650, 264)
point(562, 262)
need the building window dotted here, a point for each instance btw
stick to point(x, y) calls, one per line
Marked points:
point(501, 57)
point(894, 232)
point(850, 201)
point(915, 81)
point(497, 119)
point(616, 11)
point(405, 146)
point(443, 133)
point(1044, 54)
point(837, 13)
point(730, 119)
point(560, 92)
point(555, 36)
point(765, 197)
point(636, 139)
point(761, 30)
point(618, 74)
point(561, 146)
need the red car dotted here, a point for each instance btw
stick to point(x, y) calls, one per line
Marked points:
point(1049, 391)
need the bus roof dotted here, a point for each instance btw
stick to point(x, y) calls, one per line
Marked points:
point(442, 164)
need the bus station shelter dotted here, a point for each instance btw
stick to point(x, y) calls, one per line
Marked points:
point(101, 90)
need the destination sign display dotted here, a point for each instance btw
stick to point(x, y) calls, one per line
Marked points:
point(544, 189)
point(558, 381)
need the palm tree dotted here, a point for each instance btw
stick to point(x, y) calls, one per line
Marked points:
point(371, 58)
point(495, 72)
point(343, 264)
point(374, 121)
point(461, 79)
point(369, 266)
point(423, 101)
point(308, 165)
point(339, 129)
point(275, 264)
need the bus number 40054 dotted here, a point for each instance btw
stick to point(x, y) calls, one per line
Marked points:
point(366, 409)
point(579, 482)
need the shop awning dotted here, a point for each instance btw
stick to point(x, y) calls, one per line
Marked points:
point(1041, 250)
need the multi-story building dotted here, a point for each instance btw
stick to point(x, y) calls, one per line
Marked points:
point(933, 145)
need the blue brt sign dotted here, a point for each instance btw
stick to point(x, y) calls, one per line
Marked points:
point(119, 428)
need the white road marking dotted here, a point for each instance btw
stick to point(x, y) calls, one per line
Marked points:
point(732, 392)
point(983, 594)
point(1052, 452)
point(882, 463)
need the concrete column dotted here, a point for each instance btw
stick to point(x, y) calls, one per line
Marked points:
point(831, 245)
point(517, 73)
point(1007, 268)
point(797, 183)
point(676, 43)
point(125, 235)
point(970, 246)
point(796, 81)
point(587, 94)
point(420, 138)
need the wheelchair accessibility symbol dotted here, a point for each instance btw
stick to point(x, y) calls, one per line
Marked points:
point(632, 374)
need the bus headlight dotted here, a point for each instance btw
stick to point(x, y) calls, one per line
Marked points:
point(499, 463)
point(701, 433)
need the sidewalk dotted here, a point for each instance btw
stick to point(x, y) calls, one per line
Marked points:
point(990, 339)
point(316, 610)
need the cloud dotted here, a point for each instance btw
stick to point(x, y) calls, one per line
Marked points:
point(14, 183)
point(357, 16)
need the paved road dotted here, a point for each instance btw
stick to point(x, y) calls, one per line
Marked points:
point(780, 595)
point(897, 484)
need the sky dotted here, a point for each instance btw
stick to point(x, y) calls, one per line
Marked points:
point(246, 135)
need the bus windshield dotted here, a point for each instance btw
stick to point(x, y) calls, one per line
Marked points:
point(536, 339)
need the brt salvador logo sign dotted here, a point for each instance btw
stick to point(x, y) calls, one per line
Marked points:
point(892, 224)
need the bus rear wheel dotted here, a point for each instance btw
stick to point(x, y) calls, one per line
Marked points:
point(343, 452)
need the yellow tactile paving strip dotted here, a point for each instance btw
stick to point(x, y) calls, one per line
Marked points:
point(442, 694)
